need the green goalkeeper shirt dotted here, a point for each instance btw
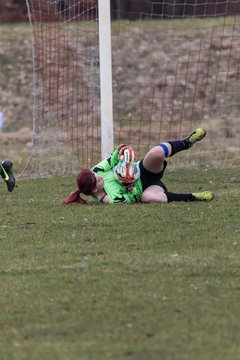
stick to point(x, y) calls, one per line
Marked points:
point(115, 190)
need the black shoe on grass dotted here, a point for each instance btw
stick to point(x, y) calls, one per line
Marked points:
point(7, 174)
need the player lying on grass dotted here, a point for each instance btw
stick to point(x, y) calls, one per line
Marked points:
point(7, 174)
point(120, 179)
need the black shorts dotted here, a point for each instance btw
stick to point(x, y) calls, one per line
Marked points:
point(149, 178)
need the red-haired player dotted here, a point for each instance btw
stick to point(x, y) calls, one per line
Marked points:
point(120, 178)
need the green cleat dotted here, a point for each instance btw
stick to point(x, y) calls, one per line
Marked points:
point(7, 174)
point(204, 196)
point(195, 136)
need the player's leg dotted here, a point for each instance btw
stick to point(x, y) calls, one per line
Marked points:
point(156, 194)
point(180, 145)
point(201, 196)
point(154, 159)
point(154, 162)
point(7, 174)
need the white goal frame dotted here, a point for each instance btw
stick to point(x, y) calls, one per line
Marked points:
point(106, 97)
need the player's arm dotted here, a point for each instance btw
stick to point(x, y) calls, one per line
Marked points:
point(107, 164)
point(111, 161)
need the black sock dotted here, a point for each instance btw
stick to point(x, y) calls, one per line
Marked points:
point(178, 145)
point(179, 197)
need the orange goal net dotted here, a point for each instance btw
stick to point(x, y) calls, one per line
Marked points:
point(175, 67)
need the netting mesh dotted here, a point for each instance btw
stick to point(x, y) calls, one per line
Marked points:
point(175, 67)
point(66, 86)
point(186, 76)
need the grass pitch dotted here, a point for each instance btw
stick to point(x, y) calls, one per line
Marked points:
point(121, 282)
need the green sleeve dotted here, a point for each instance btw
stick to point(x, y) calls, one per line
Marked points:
point(107, 164)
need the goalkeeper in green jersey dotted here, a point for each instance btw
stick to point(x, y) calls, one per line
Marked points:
point(121, 179)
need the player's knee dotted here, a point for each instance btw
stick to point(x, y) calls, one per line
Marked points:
point(162, 151)
point(157, 153)
point(165, 149)
point(154, 197)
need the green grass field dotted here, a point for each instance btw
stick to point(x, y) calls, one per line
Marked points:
point(121, 282)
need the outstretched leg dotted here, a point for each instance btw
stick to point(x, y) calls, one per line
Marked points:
point(201, 196)
point(154, 159)
point(179, 145)
point(156, 194)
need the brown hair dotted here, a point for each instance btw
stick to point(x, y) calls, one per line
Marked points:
point(86, 182)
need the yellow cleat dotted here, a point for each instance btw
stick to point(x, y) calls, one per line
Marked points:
point(204, 196)
point(196, 135)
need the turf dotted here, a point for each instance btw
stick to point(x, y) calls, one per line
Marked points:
point(120, 282)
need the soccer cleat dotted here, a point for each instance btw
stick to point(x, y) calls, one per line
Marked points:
point(204, 196)
point(195, 136)
point(7, 174)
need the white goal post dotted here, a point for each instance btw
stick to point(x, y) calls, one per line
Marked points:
point(105, 58)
